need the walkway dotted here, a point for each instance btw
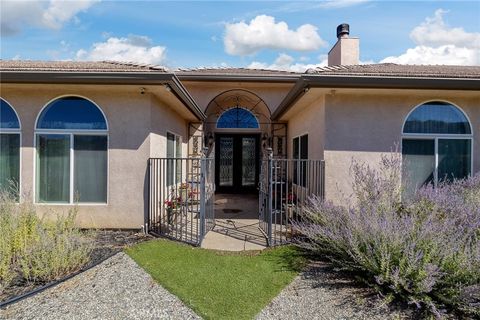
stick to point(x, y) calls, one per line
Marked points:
point(237, 225)
point(321, 293)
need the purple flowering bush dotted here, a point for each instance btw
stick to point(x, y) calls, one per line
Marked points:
point(424, 250)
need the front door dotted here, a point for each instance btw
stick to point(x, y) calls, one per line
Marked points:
point(236, 163)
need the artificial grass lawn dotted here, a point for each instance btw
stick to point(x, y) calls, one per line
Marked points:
point(219, 285)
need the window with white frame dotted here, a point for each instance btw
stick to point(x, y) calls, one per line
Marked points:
point(9, 150)
point(300, 152)
point(71, 140)
point(436, 144)
point(174, 163)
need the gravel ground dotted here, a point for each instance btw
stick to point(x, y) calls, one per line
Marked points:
point(320, 293)
point(115, 289)
point(105, 243)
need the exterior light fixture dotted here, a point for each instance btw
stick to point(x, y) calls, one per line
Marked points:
point(209, 140)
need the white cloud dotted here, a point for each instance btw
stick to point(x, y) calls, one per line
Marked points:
point(264, 33)
point(60, 11)
point(53, 14)
point(435, 32)
point(288, 63)
point(438, 43)
point(445, 55)
point(133, 48)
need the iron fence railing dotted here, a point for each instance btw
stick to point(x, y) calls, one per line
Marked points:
point(181, 198)
point(284, 190)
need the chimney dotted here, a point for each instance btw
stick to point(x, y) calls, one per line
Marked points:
point(346, 51)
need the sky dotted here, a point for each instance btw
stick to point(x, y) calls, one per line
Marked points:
point(282, 35)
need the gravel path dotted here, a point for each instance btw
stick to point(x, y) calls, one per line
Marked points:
point(320, 293)
point(116, 289)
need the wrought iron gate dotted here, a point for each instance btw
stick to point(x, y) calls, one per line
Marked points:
point(284, 188)
point(181, 198)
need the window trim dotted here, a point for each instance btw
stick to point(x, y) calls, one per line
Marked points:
point(299, 137)
point(240, 129)
point(439, 136)
point(20, 158)
point(78, 130)
point(176, 136)
point(71, 133)
point(435, 139)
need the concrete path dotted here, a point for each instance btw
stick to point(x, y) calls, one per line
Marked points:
point(237, 228)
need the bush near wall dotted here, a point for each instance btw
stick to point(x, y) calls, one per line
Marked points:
point(34, 250)
point(424, 250)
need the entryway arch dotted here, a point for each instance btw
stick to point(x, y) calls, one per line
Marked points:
point(237, 130)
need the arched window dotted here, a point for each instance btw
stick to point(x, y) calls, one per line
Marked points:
point(9, 150)
point(436, 144)
point(238, 118)
point(71, 143)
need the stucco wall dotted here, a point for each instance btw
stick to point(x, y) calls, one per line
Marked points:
point(271, 94)
point(131, 118)
point(163, 120)
point(365, 124)
point(346, 51)
point(311, 121)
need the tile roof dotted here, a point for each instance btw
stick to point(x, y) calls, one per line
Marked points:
point(367, 70)
point(77, 66)
point(233, 71)
point(396, 70)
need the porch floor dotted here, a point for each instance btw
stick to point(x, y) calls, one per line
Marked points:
point(236, 224)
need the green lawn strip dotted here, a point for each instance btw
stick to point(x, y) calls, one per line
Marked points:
point(219, 285)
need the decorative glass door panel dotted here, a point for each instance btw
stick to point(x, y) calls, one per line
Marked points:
point(226, 162)
point(249, 161)
point(236, 163)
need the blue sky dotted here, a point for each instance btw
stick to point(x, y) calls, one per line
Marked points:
point(276, 34)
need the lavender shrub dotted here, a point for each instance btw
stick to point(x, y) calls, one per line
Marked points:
point(424, 250)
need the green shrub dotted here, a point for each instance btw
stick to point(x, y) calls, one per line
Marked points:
point(35, 249)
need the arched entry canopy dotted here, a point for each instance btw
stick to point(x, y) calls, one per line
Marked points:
point(240, 111)
point(237, 109)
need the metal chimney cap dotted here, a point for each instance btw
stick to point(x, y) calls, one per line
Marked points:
point(343, 29)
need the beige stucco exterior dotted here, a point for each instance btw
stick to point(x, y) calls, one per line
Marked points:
point(271, 93)
point(137, 126)
point(341, 123)
point(346, 51)
point(309, 120)
point(364, 124)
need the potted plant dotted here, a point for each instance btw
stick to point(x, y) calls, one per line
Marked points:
point(171, 206)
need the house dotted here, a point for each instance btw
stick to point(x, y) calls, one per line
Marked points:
point(83, 132)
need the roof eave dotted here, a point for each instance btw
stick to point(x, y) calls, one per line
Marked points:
point(363, 82)
point(113, 78)
point(69, 77)
point(183, 95)
point(239, 78)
